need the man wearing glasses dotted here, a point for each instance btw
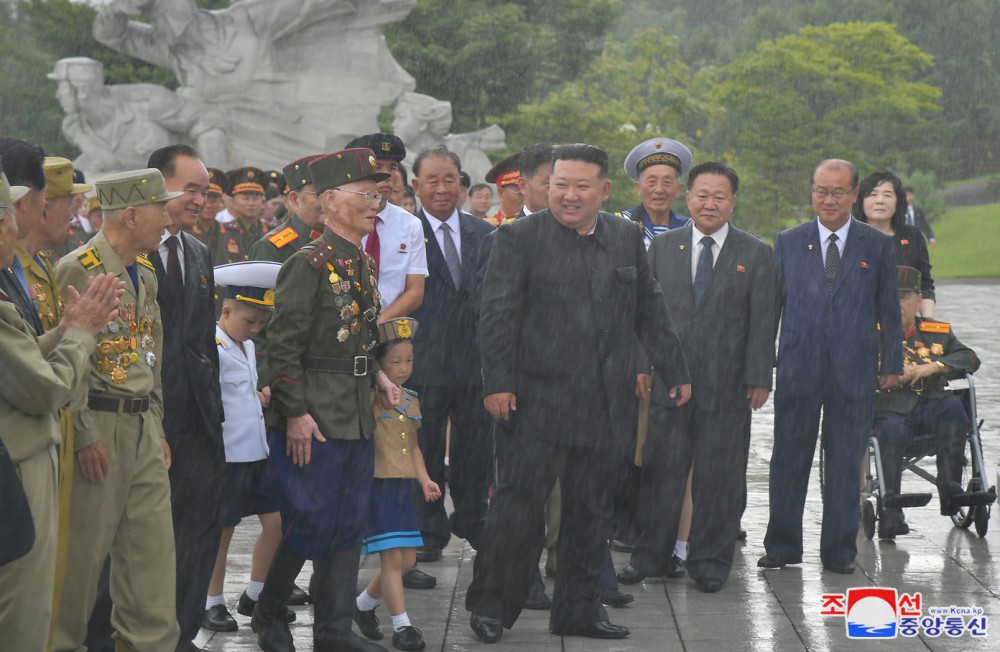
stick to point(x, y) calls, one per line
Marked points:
point(837, 305)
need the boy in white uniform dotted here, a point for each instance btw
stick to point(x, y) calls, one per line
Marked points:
point(249, 300)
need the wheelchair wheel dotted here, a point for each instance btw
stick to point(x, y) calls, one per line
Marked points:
point(966, 514)
point(981, 517)
point(868, 519)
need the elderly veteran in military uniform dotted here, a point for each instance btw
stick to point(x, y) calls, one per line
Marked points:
point(42, 375)
point(919, 405)
point(322, 338)
point(657, 166)
point(507, 175)
point(50, 231)
point(237, 236)
point(121, 492)
point(207, 229)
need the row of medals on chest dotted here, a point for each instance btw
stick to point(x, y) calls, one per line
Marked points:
point(350, 310)
point(116, 353)
point(42, 298)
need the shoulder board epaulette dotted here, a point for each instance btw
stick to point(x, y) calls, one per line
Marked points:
point(220, 342)
point(283, 237)
point(89, 259)
point(410, 392)
point(142, 260)
point(935, 327)
point(318, 258)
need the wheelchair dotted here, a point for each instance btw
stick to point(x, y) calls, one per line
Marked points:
point(975, 503)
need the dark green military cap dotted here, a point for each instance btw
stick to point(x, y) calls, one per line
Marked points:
point(218, 182)
point(246, 180)
point(297, 172)
point(908, 279)
point(343, 167)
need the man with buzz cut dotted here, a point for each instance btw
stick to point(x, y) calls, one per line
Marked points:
point(121, 490)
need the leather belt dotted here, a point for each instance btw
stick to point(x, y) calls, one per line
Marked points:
point(125, 405)
point(359, 365)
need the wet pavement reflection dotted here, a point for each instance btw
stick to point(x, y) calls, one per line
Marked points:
point(756, 610)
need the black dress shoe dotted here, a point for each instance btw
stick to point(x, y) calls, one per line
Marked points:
point(842, 566)
point(489, 630)
point(600, 629)
point(425, 554)
point(272, 635)
point(741, 534)
point(710, 585)
point(619, 545)
point(367, 622)
point(615, 598)
point(537, 600)
point(418, 579)
point(297, 597)
point(676, 568)
point(245, 608)
point(630, 575)
point(776, 561)
point(408, 638)
point(218, 619)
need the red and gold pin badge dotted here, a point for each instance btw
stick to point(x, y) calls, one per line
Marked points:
point(741, 268)
point(864, 265)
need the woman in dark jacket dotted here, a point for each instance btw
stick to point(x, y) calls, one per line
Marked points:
point(882, 204)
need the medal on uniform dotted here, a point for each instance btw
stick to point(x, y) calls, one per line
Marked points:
point(104, 365)
point(355, 308)
point(113, 326)
point(105, 347)
point(124, 360)
point(147, 341)
point(119, 375)
point(343, 334)
point(150, 358)
point(937, 349)
point(121, 344)
point(355, 327)
point(345, 313)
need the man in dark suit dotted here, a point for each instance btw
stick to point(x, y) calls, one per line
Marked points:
point(559, 322)
point(838, 306)
point(719, 285)
point(446, 367)
point(192, 398)
point(915, 216)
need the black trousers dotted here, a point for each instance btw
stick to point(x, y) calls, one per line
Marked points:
point(515, 527)
point(715, 443)
point(470, 470)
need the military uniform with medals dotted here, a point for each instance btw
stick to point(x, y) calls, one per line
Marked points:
point(128, 514)
point(236, 238)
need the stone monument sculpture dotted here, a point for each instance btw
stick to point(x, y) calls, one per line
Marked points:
point(423, 122)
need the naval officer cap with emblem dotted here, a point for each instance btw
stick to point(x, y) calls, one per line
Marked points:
point(657, 151)
point(385, 146)
point(133, 188)
point(250, 282)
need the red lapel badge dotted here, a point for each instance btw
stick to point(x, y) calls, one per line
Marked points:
point(864, 265)
point(741, 268)
point(904, 242)
point(402, 246)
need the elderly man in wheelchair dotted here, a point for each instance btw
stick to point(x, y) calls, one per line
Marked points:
point(920, 409)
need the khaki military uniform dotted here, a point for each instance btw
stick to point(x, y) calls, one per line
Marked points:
point(278, 245)
point(41, 376)
point(129, 514)
point(208, 235)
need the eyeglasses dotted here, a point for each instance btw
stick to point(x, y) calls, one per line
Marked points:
point(836, 193)
point(374, 196)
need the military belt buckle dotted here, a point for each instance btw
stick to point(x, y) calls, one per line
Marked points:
point(360, 365)
point(370, 314)
point(135, 405)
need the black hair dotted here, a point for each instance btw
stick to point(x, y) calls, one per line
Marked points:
point(164, 158)
point(714, 167)
point(533, 157)
point(907, 188)
point(404, 175)
point(23, 162)
point(869, 184)
point(440, 150)
point(582, 152)
point(479, 186)
point(383, 348)
point(466, 179)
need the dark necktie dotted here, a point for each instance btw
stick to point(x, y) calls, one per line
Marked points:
point(451, 255)
point(832, 261)
point(704, 271)
point(175, 282)
point(372, 246)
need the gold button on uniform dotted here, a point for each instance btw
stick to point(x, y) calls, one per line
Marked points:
point(402, 436)
point(405, 452)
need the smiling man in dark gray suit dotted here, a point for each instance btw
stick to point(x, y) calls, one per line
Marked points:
point(558, 326)
point(719, 285)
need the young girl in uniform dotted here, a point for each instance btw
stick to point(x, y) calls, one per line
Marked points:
point(393, 529)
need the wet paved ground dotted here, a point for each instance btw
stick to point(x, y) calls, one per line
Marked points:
point(773, 610)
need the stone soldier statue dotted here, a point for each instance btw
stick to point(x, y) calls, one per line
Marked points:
point(121, 492)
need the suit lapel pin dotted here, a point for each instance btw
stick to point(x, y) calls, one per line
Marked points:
point(741, 268)
point(681, 247)
point(810, 247)
point(864, 265)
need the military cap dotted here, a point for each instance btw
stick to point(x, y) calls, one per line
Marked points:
point(506, 172)
point(133, 188)
point(246, 180)
point(297, 173)
point(657, 151)
point(908, 279)
point(93, 204)
point(59, 177)
point(278, 179)
point(218, 182)
point(83, 69)
point(387, 146)
point(346, 166)
point(250, 282)
point(400, 328)
point(8, 193)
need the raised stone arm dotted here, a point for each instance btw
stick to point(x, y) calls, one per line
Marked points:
point(113, 28)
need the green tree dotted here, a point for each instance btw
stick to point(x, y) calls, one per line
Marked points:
point(637, 89)
point(846, 90)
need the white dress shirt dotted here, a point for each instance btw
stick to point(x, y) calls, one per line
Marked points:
point(456, 231)
point(719, 237)
point(165, 252)
point(401, 251)
point(824, 237)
